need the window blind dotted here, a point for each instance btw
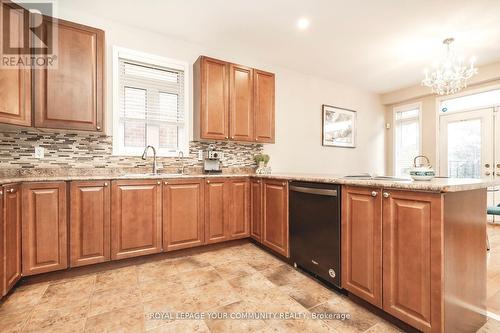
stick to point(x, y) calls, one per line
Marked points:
point(151, 105)
point(407, 140)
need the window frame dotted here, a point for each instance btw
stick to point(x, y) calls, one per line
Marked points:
point(395, 121)
point(136, 56)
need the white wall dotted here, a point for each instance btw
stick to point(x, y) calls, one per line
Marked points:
point(298, 102)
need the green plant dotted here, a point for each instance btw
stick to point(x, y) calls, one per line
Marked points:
point(261, 158)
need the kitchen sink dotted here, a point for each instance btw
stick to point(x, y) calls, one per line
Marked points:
point(369, 177)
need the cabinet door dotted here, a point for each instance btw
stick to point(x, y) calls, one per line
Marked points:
point(135, 218)
point(239, 206)
point(214, 103)
point(183, 211)
point(241, 103)
point(15, 94)
point(44, 232)
point(11, 236)
point(264, 106)
point(70, 96)
point(90, 208)
point(275, 231)
point(362, 243)
point(411, 254)
point(216, 211)
point(256, 209)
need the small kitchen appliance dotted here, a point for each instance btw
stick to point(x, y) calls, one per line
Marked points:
point(422, 171)
point(212, 161)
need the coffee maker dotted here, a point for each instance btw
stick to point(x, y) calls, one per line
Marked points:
point(212, 163)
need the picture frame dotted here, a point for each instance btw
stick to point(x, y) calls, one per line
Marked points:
point(338, 127)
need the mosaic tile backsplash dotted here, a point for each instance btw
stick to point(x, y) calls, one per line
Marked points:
point(89, 150)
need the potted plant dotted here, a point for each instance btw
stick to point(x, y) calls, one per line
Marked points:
point(261, 160)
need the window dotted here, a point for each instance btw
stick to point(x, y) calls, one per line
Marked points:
point(470, 102)
point(406, 137)
point(149, 104)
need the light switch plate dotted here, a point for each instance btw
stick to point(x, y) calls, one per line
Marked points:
point(39, 152)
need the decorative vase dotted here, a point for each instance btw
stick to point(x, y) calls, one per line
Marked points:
point(261, 168)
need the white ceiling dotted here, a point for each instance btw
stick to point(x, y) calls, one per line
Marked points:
point(378, 45)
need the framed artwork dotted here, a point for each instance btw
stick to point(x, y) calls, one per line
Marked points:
point(339, 127)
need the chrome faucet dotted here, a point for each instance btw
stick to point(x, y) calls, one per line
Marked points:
point(180, 156)
point(145, 154)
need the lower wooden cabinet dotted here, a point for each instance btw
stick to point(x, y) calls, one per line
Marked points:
point(90, 219)
point(412, 251)
point(10, 237)
point(256, 209)
point(216, 212)
point(44, 227)
point(136, 222)
point(183, 214)
point(362, 243)
point(239, 208)
point(275, 216)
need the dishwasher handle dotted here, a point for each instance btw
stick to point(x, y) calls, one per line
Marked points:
point(310, 190)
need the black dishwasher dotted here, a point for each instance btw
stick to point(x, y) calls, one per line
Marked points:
point(314, 210)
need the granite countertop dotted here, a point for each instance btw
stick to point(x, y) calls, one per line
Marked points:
point(435, 185)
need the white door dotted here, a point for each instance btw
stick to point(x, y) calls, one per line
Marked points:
point(495, 195)
point(467, 146)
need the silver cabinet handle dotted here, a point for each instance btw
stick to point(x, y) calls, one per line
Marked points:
point(165, 183)
point(386, 195)
point(12, 190)
point(498, 165)
point(374, 193)
point(98, 128)
point(208, 181)
point(487, 173)
point(159, 183)
point(105, 184)
point(1, 192)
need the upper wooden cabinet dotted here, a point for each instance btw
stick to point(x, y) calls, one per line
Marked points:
point(241, 115)
point(362, 243)
point(183, 214)
point(275, 216)
point(136, 220)
point(232, 102)
point(90, 208)
point(211, 99)
point(44, 227)
point(15, 94)
point(70, 96)
point(10, 236)
point(263, 106)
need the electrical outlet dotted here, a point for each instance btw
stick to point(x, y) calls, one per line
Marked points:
point(200, 155)
point(39, 152)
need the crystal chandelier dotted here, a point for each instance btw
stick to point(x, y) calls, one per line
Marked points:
point(449, 75)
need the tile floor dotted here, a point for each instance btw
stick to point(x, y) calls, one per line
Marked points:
point(234, 279)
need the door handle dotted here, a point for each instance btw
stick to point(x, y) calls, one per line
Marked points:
point(319, 191)
point(487, 173)
point(374, 193)
point(386, 195)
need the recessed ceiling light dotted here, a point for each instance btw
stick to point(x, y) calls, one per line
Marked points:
point(303, 23)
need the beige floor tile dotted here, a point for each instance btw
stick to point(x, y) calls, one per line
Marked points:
point(491, 326)
point(117, 279)
point(113, 299)
point(52, 319)
point(156, 270)
point(68, 293)
point(255, 282)
point(360, 319)
point(124, 320)
point(384, 327)
point(23, 298)
point(15, 321)
point(159, 311)
point(190, 263)
point(199, 277)
point(160, 288)
point(234, 269)
point(211, 296)
point(217, 257)
point(263, 261)
point(283, 275)
point(308, 292)
point(182, 326)
point(228, 324)
point(299, 326)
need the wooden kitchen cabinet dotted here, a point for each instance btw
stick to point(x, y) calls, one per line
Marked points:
point(44, 227)
point(15, 95)
point(256, 209)
point(136, 221)
point(10, 236)
point(183, 214)
point(211, 99)
point(70, 96)
point(239, 208)
point(232, 102)
point(216, 211)
point(90, 219)
point(412, 251)
point(241, 115)
point(362, 243)
point(264, 119)
point(275, 216)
